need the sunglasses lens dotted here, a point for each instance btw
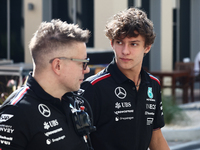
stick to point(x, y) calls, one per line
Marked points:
point(84, 65)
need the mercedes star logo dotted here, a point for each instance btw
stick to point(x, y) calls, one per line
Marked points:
point(120, 92)
point(44, 110)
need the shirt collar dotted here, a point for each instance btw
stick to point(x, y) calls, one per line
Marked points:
point(46, 97)
point(120, 78)
point(39, 91)
point(145, 79)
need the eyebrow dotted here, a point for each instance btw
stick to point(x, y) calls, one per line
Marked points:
point(136, 41)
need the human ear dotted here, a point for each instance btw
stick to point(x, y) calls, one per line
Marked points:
point(111, 42)
point(55, 65)
point(147, 49)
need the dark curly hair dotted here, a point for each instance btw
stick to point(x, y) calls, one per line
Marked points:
point(125, 23)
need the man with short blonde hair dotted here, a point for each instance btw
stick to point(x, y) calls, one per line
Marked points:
point(38, 115)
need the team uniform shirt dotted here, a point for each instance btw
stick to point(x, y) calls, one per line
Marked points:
point(124, 117)
point(31, 119)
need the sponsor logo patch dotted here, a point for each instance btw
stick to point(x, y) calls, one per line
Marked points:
point(49, 141)
point(123, 118)
point(6, 129)
point(151, 100)
point(149, 113)
point(5, 117)
point(50, 124)
point(151, 106)
point(124, 111)
point(6, 138)
point(53, 132)
point(150, 93)
point(149, 121)
point(44, 110)
point(120, 92)
point(4, 142)
point(122, 104)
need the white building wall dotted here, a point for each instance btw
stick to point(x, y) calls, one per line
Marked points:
point(103, 10)
point(195, 29)
point(166, 35)
point(32, 20)
point(161, 55)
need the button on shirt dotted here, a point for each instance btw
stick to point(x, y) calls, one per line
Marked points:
point(123, 116)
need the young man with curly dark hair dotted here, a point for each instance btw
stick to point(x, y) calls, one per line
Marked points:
point(126, 100)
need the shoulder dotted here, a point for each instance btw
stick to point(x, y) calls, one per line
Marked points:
point(14, 108)
point(16, 96)
point(21, 98)
point(151, 78)
point(99, 77)
point(95, 84)
point(19, 95)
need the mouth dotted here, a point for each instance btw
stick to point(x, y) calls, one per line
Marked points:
point(125, 59)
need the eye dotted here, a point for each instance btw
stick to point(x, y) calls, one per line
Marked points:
point(119, 42)
point(134, 44)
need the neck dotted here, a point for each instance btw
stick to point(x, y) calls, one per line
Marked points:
point(132, 75)
point(138, 82)
point(48, 85)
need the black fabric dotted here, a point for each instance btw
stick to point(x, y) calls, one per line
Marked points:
point(126, 121)
point(24, 125)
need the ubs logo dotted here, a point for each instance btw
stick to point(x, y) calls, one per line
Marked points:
point(120, 92)
point(122, 104)
point(44, 110)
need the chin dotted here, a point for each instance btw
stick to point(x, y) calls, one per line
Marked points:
point(76, 89)
point(125, 67)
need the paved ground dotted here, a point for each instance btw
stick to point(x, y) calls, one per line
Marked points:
point(185, 134)
point(192, 145)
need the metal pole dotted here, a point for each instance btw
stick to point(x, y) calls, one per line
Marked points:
point(74, 11)
point(8, 29)
point(178, 31)
point(137, 3)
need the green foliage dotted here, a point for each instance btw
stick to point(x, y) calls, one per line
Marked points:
point(171, 110)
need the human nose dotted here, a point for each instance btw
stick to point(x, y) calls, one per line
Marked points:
point(87, 70)
point(125, 49)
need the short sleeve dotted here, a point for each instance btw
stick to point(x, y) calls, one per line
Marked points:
point(159, 118)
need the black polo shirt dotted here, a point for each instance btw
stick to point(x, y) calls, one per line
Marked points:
point(31, 119)
point(123, 116)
